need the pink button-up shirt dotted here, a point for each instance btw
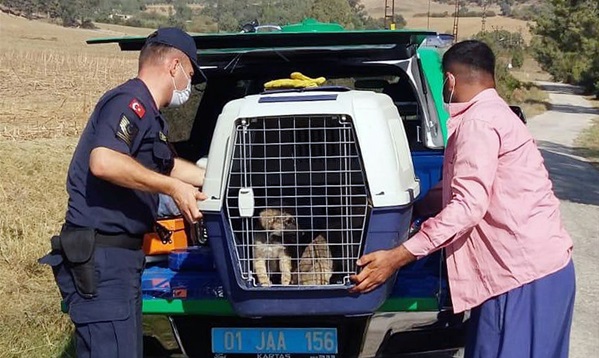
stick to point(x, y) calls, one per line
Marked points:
point(501, 224)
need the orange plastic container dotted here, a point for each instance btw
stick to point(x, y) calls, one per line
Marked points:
point(169, 235)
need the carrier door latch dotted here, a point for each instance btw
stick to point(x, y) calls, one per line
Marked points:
point(246, 202)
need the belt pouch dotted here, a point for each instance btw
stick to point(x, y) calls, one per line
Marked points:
point(78, 249)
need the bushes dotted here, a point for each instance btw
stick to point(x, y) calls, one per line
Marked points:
point(440, 14)
point(518, 58)
point(507, 85)
point(464, 12)
point(567, 42)
point(508, 47)
point(151, 20)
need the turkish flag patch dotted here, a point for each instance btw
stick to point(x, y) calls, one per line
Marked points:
point(137, 108)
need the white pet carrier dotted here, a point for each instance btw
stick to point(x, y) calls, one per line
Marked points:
point(299, 186)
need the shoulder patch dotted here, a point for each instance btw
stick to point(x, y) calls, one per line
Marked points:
point(126, 130)
point(137, 107)
point(162, 137)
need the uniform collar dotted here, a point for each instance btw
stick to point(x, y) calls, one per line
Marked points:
point(144, 93)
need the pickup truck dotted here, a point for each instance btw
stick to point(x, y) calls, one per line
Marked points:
point(209, 291)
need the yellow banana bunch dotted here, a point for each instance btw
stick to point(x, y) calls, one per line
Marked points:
point(296, 80)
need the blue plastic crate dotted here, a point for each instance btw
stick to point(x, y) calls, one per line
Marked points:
point(419, 279)
point(427, 166)
point(162, 282)
point(195, 258)
point(386, 228)
point(155, 282)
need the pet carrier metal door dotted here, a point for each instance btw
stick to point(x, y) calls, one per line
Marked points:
point(299, 186)
point(296, 200)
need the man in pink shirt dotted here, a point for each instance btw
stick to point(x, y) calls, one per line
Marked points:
point(508, 255)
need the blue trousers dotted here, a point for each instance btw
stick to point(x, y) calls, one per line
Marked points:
point(531, 321)
point(110, 324)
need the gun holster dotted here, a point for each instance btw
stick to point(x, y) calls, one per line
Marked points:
point(77, 246)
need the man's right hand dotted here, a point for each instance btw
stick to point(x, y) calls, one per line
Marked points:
point(186, 196)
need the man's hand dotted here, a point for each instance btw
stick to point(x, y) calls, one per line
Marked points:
point(378, 266)
point(186, 196)
point(123, 170)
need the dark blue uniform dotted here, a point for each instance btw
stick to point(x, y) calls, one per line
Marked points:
point(125, 120)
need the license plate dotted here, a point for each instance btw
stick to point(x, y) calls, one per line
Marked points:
point(274, 340)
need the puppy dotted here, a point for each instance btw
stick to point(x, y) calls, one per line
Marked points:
point(270, 252)
point(316, 264)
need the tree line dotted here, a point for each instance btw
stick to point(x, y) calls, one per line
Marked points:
point(349, 13)
point(565, 43)
point(228, 15)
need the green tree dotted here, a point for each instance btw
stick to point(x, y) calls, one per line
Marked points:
point(77, 12)
point(362, 20)
point(230, 15)
point(182, 11)
point(338, 11)
point(518, 58)
point(505, 9)
point(360, 16)
point(29, 7)
point(566, 42)
point(282, 12)
point(507, 47)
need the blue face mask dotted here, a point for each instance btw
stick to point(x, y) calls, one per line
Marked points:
point(179, 97)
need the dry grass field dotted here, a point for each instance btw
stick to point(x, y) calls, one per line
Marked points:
point(51, 79)
point(49, 82)
point(468, 26)
point(376, 8)
point(588, 142)
point(165, 9)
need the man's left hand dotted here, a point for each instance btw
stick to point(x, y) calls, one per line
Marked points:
point(378, 266)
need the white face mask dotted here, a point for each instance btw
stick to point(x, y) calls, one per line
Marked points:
point(447, 105)
point(180, 96)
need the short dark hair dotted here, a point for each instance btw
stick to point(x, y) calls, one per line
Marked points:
point(473, 54)
point(153, 53)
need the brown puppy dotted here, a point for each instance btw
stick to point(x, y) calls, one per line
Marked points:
point(316, 264)
point(270, 253)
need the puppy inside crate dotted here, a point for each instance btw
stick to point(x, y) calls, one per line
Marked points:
point(286, 252)
point(310, 201)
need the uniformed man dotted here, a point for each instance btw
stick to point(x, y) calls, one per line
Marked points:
point(121, 164)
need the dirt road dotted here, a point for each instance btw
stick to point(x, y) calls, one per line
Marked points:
point(576, 183)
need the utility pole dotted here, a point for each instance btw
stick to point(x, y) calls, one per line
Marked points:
point(389, 15)
point(428, 16)
point(456, 20)
point(217, 16)
point(485, 6)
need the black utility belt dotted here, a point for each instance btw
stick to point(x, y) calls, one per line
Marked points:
point(122, 241)
point(76, 245)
